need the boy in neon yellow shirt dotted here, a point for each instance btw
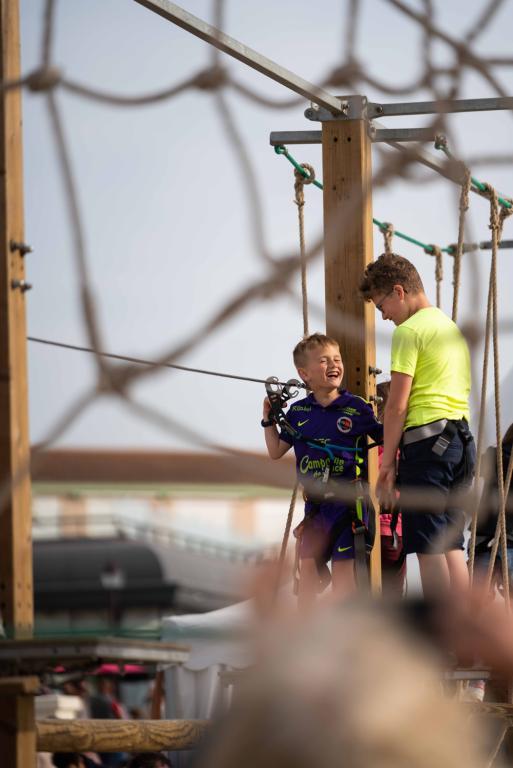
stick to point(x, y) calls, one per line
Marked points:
point(426, 417)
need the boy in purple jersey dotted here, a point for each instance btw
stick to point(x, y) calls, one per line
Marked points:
point(330, 427)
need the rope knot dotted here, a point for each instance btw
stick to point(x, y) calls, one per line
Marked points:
point(387, 230)
point(44, 79)
point(211, 79)
point(301, 180)
point(441, 141)
point(505, 213)
point(436, 251)
point(345, 74)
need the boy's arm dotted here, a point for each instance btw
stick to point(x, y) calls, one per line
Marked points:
point(395, 416)
point(276, 448)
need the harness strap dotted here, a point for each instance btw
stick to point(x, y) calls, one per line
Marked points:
point(360, 547)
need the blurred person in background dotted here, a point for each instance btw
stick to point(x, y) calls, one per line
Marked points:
point(149, 760)
point(489, 514)
point(393, 556)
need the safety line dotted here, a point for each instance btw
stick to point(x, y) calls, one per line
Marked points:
point(441, 144)
point(428, 248)
point(140, 361)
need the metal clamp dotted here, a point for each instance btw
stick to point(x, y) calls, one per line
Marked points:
point(353, 108)
point(374, 371)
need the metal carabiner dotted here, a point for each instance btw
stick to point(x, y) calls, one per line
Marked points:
point(291, 388)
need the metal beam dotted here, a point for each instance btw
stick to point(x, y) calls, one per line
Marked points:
point(232, 47)
point(439, 107)
point(401, 134)
point(376, 135)
point(295, 137)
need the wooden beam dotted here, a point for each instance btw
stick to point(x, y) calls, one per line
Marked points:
point(16, 593)
point(119, 735)
point(19, 686)
point(348, 249)
point(17, 731)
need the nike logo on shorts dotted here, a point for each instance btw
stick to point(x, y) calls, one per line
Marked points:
point(300, 423)
point(344, 549)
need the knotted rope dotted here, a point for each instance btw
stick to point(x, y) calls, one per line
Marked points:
point(458, 249)
point(387, 230)
point(299, 199)
point(436, 251)
point(300, 179)
point(497, 218)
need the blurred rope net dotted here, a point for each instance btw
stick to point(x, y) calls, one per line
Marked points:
point(280, 271)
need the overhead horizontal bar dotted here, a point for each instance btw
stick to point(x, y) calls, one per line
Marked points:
point(402, 134)
point(486, 245)
point(437, 107)
point(295, 137)
point(376, 134)
point(194, 25)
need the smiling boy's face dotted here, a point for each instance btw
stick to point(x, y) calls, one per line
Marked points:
point(322, 369)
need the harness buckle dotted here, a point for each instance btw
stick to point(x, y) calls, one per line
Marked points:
point(441, 445)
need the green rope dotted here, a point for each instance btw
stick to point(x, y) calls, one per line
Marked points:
point(281, 150)
point(441, 144)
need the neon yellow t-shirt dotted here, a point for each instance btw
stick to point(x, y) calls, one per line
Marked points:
point(431, 348)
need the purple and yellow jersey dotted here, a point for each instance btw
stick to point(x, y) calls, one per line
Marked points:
point(341, 427)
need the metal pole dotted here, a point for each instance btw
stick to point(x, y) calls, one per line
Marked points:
point(238, 50)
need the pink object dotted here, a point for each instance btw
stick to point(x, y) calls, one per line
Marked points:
point(114, 669)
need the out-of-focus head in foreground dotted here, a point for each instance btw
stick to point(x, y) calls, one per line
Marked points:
point(350, 687)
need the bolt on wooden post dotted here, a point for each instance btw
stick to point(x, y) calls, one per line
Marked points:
point(348, 248)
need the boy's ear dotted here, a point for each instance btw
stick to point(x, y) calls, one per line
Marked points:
point(303, 375)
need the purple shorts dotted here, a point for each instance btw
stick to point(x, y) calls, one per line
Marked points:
point(328, 534)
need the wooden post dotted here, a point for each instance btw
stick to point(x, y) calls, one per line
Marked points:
point(15, 519)
point(347, 177)
point(17, 728)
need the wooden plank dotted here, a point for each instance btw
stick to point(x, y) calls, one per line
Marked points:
point(16, 593)
point(348, 249)
point(119, 735)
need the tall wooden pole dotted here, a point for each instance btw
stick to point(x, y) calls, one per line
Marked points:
point(347, 176)
point(17, 727)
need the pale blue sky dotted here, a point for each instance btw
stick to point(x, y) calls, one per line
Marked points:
point(165, 213)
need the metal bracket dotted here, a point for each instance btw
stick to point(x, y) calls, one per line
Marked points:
point(353, 108)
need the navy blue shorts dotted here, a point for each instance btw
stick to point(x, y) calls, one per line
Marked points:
point(425, 531)
point(328, 534)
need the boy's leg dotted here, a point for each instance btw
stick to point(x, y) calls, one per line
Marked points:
point(343, 577)
point(441, 561)
point(434, 574)
point(458, 571)
point(308, 583)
